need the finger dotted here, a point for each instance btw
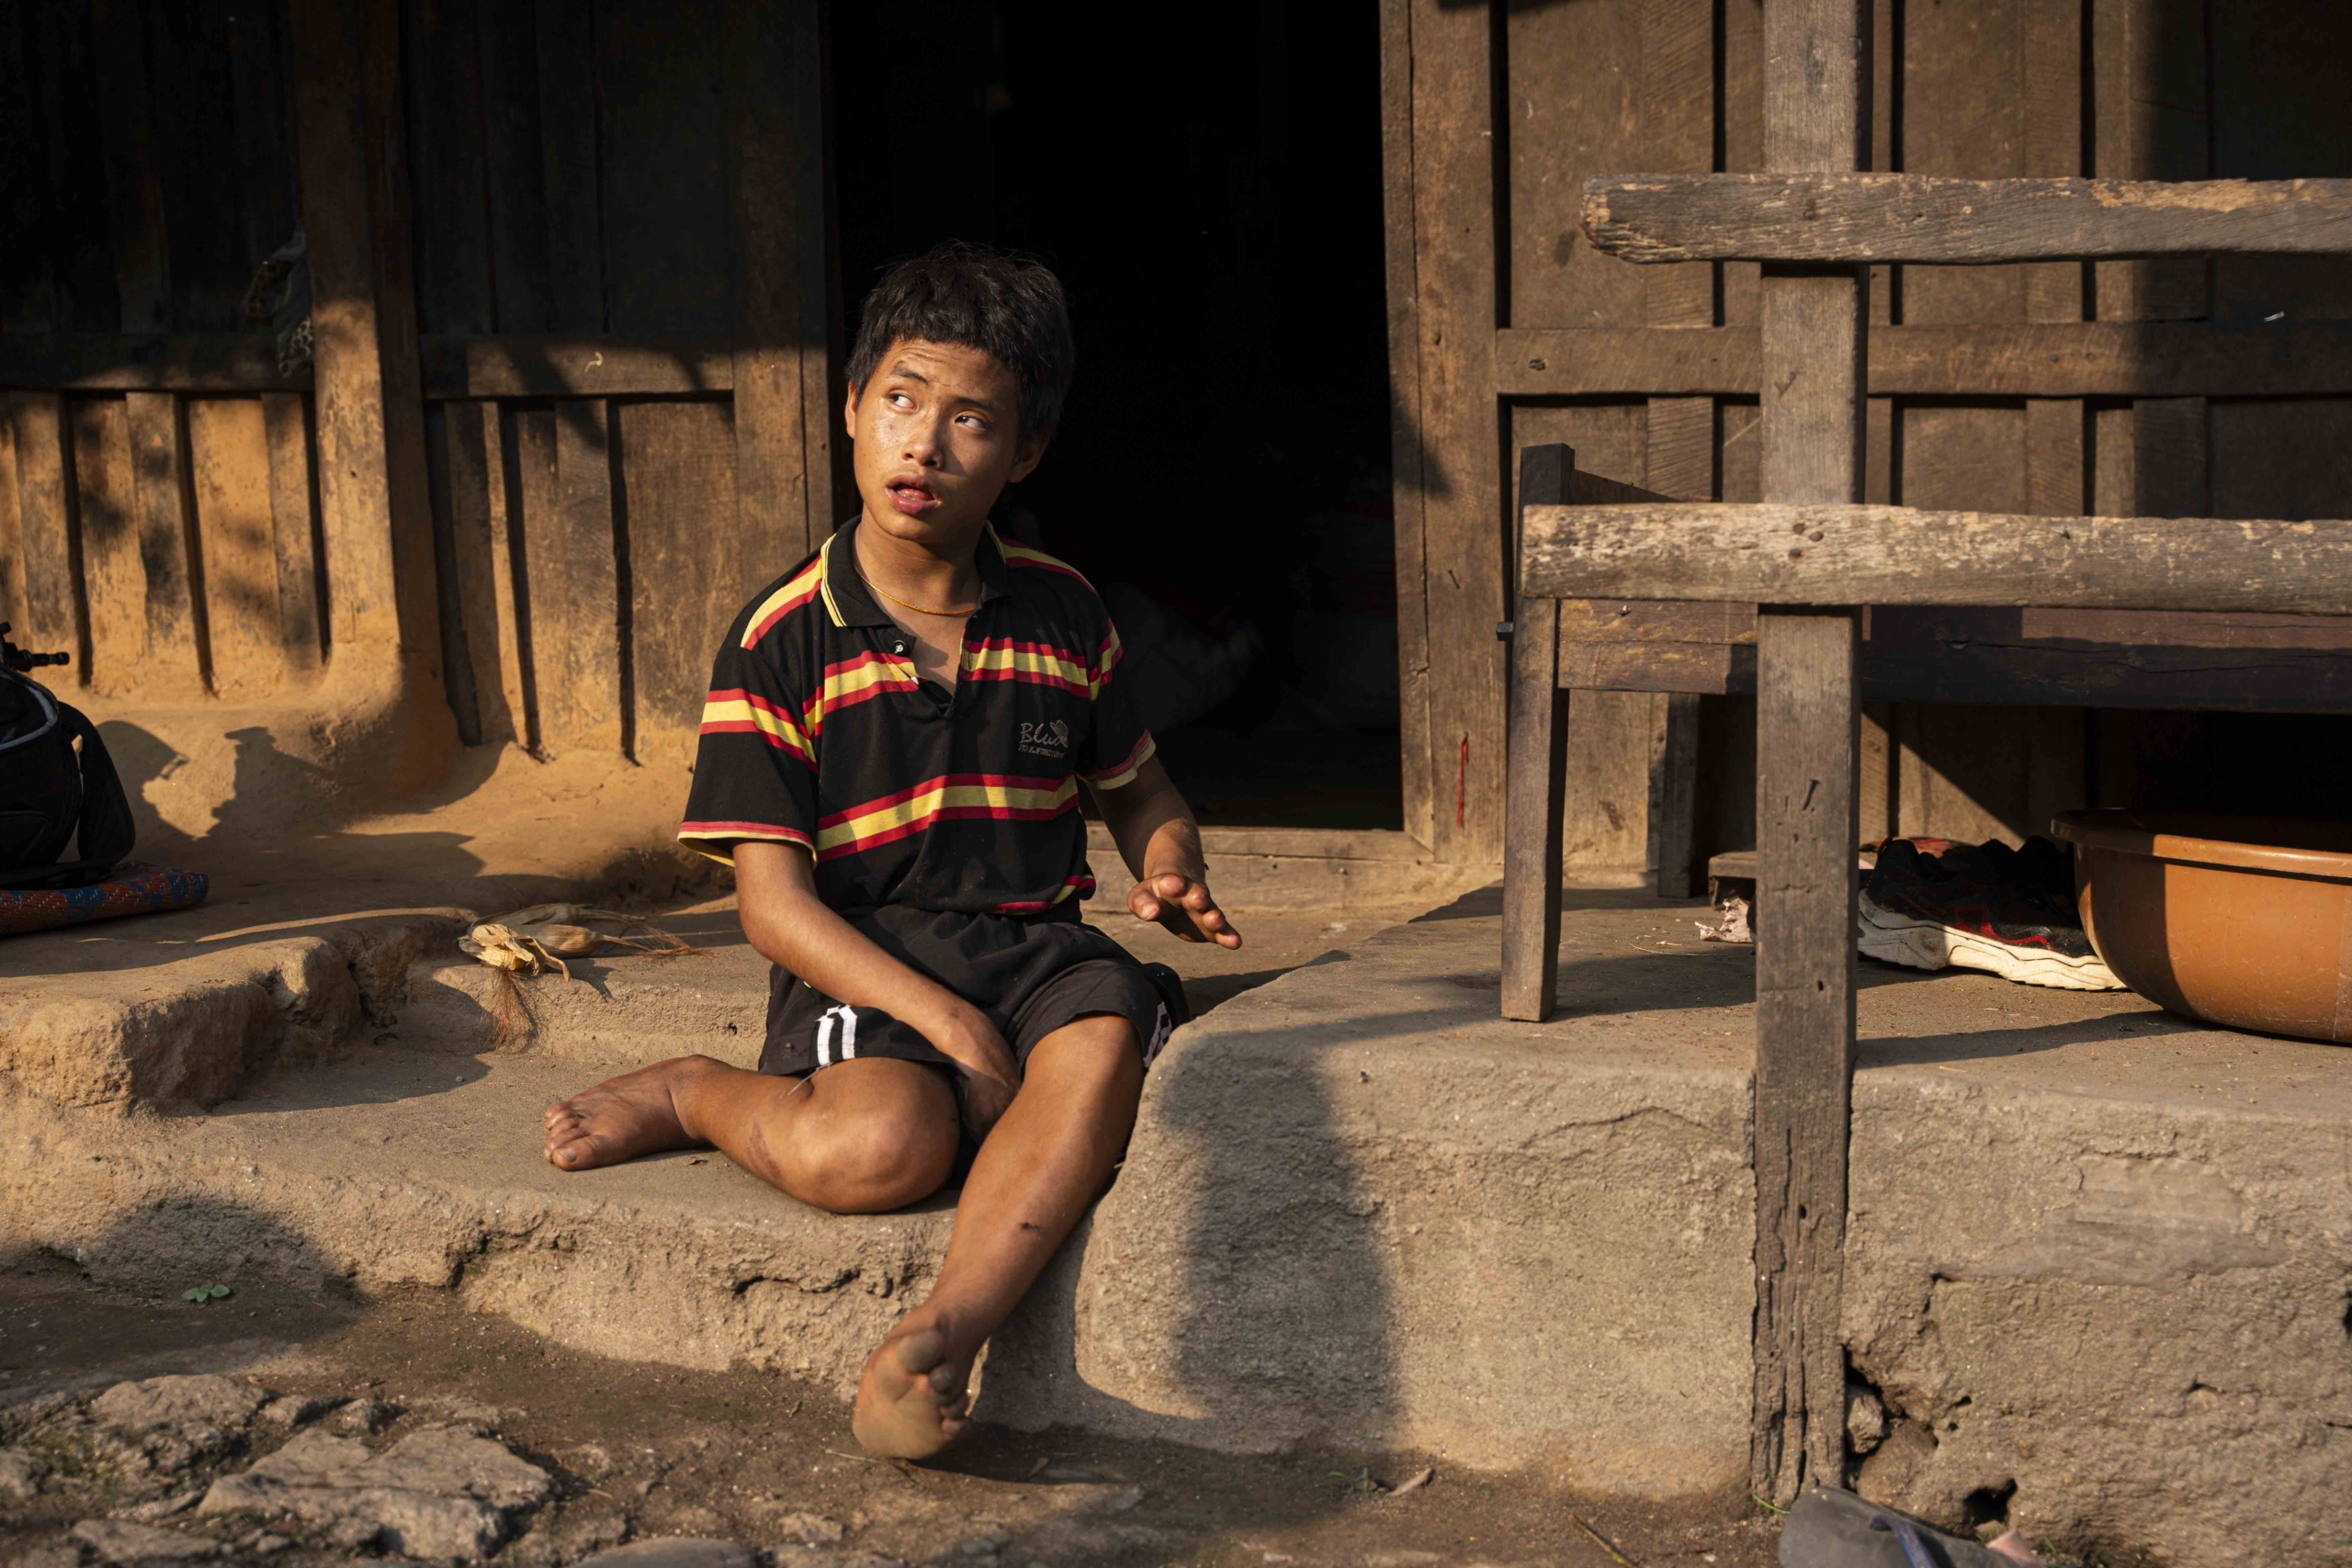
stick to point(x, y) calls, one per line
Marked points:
point(1145, 905)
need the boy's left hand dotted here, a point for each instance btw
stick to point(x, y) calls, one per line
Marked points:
point(1184, 905)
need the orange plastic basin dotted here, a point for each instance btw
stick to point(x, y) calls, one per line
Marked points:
point(2239, 920)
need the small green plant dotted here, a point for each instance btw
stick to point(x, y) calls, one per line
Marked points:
point(1360, 1485)
point(203, 1295)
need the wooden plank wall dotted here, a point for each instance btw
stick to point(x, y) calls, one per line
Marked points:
point(168, 536)
point(623, 199)
point(645, 176)
point(1496, 115)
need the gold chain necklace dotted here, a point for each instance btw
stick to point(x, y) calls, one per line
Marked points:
point(917, 609)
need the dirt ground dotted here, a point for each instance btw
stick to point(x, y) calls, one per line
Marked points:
point(641, 1452)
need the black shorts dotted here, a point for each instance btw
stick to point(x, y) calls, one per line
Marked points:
point(1031, 975)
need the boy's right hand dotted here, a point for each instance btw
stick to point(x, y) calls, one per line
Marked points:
point(991, 1076)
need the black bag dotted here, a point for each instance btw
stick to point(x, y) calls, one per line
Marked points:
point(50, 794)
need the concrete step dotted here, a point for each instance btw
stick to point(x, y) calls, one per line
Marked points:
point(399, 1167)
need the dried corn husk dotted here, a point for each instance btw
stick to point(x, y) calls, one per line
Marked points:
point(530, 940)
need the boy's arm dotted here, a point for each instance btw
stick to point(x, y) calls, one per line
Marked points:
point(1161, 845)
point(776, 888)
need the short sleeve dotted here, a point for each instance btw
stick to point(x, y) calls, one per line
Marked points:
point(1117, 743)
point(756, 767)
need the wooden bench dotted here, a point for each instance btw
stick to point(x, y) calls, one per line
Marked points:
point(1625, 589)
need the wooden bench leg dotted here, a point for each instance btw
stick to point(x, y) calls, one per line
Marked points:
point(1533, 808)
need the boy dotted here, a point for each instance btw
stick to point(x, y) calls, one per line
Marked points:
point(890, 758)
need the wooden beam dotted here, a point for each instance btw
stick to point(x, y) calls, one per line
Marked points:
point(1838, 217)
point(2044, 359)
point(164, 520)
point(1815, 325)
point(1898, 555)
point(2039, 359)
point(1534, 809)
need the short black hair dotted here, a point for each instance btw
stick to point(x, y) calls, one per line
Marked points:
point(1009, 306)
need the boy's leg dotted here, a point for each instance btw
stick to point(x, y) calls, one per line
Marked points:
point(1041, 1164)
point(861, 1136)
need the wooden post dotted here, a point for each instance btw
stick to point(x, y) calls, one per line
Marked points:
point(1816, 115)
point(1533, 809)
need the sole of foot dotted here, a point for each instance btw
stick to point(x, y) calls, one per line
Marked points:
point(911, 1397)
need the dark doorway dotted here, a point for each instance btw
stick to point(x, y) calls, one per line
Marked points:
point(1209, 188)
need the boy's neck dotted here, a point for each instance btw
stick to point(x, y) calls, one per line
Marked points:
point(931, 573)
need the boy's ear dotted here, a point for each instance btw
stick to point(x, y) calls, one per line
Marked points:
point(1031, 452)
point(849, 411)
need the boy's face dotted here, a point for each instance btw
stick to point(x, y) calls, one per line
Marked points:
point(937, 436)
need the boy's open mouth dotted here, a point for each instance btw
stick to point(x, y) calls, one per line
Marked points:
point(912, 494)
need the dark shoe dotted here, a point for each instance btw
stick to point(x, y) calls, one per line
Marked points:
point(1837, 1529)
point(1979, 907)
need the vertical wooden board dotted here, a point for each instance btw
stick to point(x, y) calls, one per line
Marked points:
point(510, 638)
point(1739, 460)
point(228, 463)
point(262, 109)
point(469, 483)
point(1742, 113)
point(539, 584)
point(2055, 475)
point(576, 602)
point(1878, 808)
point(1461, 485)
point(775, 133)
point(1407, 456)
point(1679, 447)
point(1964, 457)
point(1963, 115)
point(455, 650)
point(2114, 462)
point(12, 532)
point(1678, 115)
point(168, 563)
point(296, 546)
point(107, 510)
point(2055, 781)
point(517, 230)
point(1574, 110)
point(2280, 111)
point(443, 78)
point(193, 121)
point(687, 579)
point(27, 301)
point(567, 164)
point(134, 193)
point(2170, 458)
point(2053, 118)
point(60, 53)
point(53, 618)
point(2150, 123)
point(1965, 772)
point(1675, 828)
point(660, 76)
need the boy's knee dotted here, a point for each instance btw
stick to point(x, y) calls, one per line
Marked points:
point(1099, 1053)
point(870, 1162)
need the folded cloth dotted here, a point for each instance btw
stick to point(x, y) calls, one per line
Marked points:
point(136, 888)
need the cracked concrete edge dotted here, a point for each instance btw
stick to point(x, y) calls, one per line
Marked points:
point(2137, 1316)
point(797, 1291)
point(189, 1031)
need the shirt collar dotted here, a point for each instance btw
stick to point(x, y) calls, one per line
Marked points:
point(852, 604)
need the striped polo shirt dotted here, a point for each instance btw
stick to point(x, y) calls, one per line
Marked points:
point(819, 733)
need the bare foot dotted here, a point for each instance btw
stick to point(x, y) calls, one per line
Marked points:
point(619, 1119)
point(910, 1398)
